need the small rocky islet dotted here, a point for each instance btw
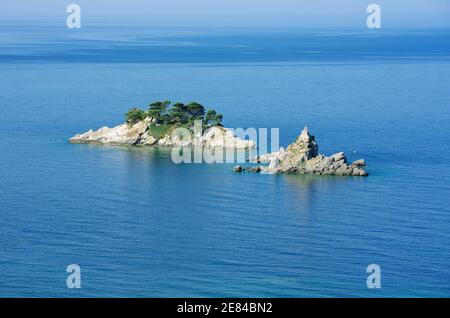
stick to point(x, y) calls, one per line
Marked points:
point(154, 128)
point(303, 157)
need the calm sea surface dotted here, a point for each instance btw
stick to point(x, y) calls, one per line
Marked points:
point(139, 225)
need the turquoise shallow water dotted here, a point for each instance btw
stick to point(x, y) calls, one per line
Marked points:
point(139, 225)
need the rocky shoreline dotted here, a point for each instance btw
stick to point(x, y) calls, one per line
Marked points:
point(140, 135)
point(303, 157)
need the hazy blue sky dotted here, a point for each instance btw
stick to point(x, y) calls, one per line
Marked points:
point(304, 13)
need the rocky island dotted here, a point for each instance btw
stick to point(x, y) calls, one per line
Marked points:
point(303, 157)
point(155, 127)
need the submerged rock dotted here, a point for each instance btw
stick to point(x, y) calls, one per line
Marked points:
point(254, 169)
point(237, 168)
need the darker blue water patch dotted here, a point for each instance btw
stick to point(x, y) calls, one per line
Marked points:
point(168, 45)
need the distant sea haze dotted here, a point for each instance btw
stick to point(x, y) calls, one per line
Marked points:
point(194, 45)
point(139, 225)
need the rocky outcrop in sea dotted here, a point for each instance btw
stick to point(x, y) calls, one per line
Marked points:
point(303, 157)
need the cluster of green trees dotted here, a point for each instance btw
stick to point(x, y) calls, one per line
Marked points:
point(166, 113)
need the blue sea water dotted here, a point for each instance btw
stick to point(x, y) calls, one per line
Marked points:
point(140, 225)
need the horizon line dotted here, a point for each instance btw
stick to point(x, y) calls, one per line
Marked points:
point(139, 24)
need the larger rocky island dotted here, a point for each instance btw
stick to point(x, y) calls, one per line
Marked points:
point(155, 126)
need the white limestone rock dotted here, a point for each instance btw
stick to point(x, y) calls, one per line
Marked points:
point(302, 156)
point(137, 134)
point(119, 135)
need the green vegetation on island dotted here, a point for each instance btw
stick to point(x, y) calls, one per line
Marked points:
point(167, 116)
